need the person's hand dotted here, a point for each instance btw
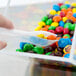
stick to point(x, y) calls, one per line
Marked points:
point(5, 23)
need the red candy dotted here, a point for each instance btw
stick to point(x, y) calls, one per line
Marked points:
point(65, 31)
point(53, 45)
point(52, 31)
point(71, 39)
point(62, 14)
point(59, 29)
point(60, 4)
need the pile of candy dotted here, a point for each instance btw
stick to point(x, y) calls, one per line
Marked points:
point(61, 21)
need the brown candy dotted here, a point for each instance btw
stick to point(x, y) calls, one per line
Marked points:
point(59, 35)
point(48, 49)
point(50, 16)
point(72, 7)
point(71, 33)
point(52, 54)
point(58, 53)
point(59, 49)
point(69, 21)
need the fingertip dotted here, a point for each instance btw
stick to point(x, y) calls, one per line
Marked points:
point(2, 45)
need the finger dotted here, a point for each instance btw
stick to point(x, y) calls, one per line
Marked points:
point(5, 23)
point(2, 45)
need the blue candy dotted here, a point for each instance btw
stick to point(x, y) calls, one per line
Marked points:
point(68, 5)
point(56, 7)
point(22, 44)
point(69, 41)
point(67, 55)
point(74, 15)
point(61, 23)
point(63, 42)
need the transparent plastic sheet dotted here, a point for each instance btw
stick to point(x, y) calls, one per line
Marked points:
point(13, 40)
point(13, 43)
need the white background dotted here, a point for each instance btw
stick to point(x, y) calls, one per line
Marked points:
point(3, 3)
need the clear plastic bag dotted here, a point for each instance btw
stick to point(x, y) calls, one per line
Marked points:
point(13, 38)
point(13, 44)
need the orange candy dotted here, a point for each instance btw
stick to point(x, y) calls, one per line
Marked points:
point(57, 18)
point(44, 29)
point(72, 18)
point(69, 9)
point(47, 26)
point(65, 37)
point(64, 10)
point(51, 37)
point(57, 39)
point(69, 13)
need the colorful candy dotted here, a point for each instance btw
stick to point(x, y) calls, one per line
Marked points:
point(38, 50)
point(51, 37)
point(57, 18)
point(65, 31)
point(56, 7)
point(49, 21)
point(52, 12)
point(41, 35)
point(28, 47)
point(67, 49)
point(67, 25)
point(59, 29)
point(61, 21)
point(56, 24)
point(66, 55)
point(63, 42)
point(44, 19)
point(51, 28)
point(63, 6)
point(67, 35)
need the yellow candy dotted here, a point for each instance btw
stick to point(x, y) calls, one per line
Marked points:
point(66, 2)
point(52, 12)
point(55, 24)
point(45, 37)
point(74, 10)
point(38, 28)
point(56, 50)
point(58, 12)
point(41, 24)
point(64, 19)
point(73, 4)
point(41, 35)
point(67, 49)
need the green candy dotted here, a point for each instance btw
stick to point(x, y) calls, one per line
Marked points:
point(63, 6)
point(19, 50)
point(49, 21)
point(68, 25)
point(67, 35)
point(51, 28)
point(28, 47)
point(38, 50)
point(72, 27)
point(48, 53)
point(44, 19)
